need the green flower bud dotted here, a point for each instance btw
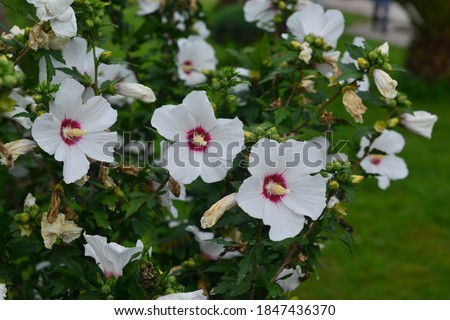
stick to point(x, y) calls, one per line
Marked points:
point(373, 56)
point(89, 23)
point(105, 57)
point(333, 185)
point(363, 64)
point(22, 218)
point(106, 289)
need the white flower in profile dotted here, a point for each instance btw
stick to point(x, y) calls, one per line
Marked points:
point(11, 151)
point(363, 85)
point(73, 131)
point(210, 250)
point(136, 91)
point(281, 190)
point(420, 122)
point(194, 295)
point(289, 279)
point(20, 107)
point(148, 6)
point(3, 291)
point(60, 15)
point(110, 257)
point(387, 165)
point(203, 145)
point(261, 11)
point(385, 84)
point(195, 56)
point(120, 73)
point(312, 19)
point(76, 56)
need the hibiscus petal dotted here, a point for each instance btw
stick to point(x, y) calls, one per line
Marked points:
point(213, 169)
point(284, 223)
point(173, 122)
point(76, 165)
point(46, 132)
point(66, 28)
point(250, 197)
point(183, 164)
point(198, 105)
point(389, 141)
point(98, 145)
point(67, 100)
point(333, 28)
point(97, 115)
point(229, 134)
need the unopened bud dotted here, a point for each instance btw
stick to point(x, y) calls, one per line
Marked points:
point(55, 202)
point(356, 179)
point(174, 187)
point(105, 57)
point(363, 64)
point(254, 75)
point(391, 123)
point(379, 126)
point(295, 45)
point(333, 185)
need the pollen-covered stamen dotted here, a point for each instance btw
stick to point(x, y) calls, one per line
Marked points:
point(376, 158)
point(187, 67)
point(274, 187)
point(198, 139)
point(71, 131)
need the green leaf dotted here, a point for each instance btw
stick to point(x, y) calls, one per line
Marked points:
point(371, 99)
point(73, 72)
point(101, 218)
point(349, 70)
point(355, 51)
point(133, 206)
point(50, 69)
point(281, 114)
point(245, 265)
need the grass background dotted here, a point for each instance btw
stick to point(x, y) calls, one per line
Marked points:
point(402, 235)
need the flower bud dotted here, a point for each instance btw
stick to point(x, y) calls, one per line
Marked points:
point(373, 56)
point(356, 179)
point(55, 202)
point(384, 48)
point(213, 214)
point(385, 84)
point(333, 185)
point(363, 64)
point(174, 187)
point(393, 122)
point(281, 5)
point(136, 91)
point(254, 75)
point(379, 126)
point(295, 45)
point(105, 57)
point(353, 105)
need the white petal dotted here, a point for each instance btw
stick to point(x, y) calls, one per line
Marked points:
point(198, 105)
point(173, 122)
point(98, 145)
point(393, 167)
point(195, 295)
point(97, 115)
point(253, 9)
point(213, 169)
point(76, 165)
point(389, 141)
point(333, 28)
point(23, 121)
point(383, 182)
point(364, 144)
point(421, 122)
point(264, 158)
point(148, 6)
point(67, 100)
point(46, 132)
point(307, 196)
point(250, 197)
point(65, 28)
point(229, 133)
point(284, 223)
point(94, 248)
point(183, 164)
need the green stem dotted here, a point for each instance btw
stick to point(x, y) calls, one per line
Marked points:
point(256, 265)
point(95, 86)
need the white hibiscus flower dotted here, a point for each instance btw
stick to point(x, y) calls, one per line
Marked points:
point(20, 107)
point(388, 166)
point(210, 250)
point(73, 131)
point(194, 295)
point(261, 11)
point(289, 279)
point(194, 57)
point(203, 145)
point(420, 122)
point(385, 84)
point(312, 19)
point(110, 257)
point(59, 13)
point(148, 6)
point(281, 190)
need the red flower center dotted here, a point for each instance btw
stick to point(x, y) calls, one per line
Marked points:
point(70, 131)
point(198, 139)
point(274, 187)
point(376, 158)
point(187, 67)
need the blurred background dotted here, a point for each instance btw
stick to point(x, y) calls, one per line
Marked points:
point(402, 235)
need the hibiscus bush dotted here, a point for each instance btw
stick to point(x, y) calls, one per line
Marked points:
point(151, 170)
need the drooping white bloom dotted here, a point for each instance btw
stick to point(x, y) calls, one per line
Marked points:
point(203, 145)
point(110, 257)
point(148, 6)
point(363, 85)
point(60, 15)
point(3, 291)
point(60, 228)
point(136, 91)
point(281, 190)
point(289, 279)
point(385, 84)
point(21, 103)
point(312, 19)
point(210, 250)
point(213, 214)
point(261, 11)
point(9, 152)
point(73, 130)
point(420, 122)
point(194, 295)
point(120, 73)
point(194, 57)
point(388, 166)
